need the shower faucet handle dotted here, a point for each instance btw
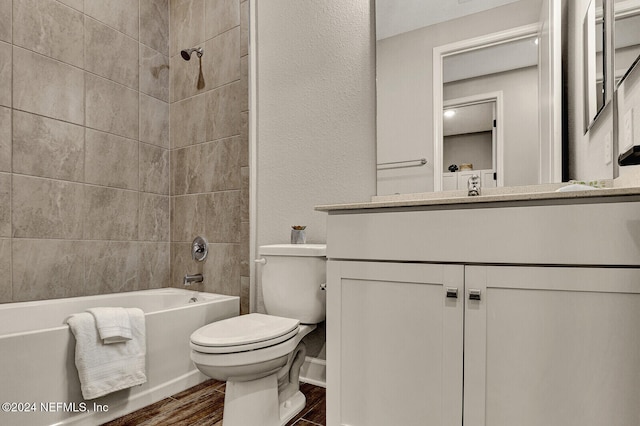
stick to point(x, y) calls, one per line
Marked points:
point(199, 249)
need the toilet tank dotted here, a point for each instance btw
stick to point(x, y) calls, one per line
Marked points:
point(291, 281)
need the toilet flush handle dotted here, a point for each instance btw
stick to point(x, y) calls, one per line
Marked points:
point(262, 261)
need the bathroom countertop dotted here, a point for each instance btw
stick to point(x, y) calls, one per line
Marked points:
point(489, 195)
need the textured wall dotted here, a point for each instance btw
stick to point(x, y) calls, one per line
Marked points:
point(209, 144)
point(316, 113)
point(84, 147)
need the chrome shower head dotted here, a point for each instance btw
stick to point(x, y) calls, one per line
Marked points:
point(186, 53)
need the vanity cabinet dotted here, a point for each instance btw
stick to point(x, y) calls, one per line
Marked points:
point(552, 341)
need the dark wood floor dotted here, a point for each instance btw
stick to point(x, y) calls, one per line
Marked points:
point(202, 405)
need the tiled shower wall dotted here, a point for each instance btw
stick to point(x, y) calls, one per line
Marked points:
point(85, 184)
point(209, 144)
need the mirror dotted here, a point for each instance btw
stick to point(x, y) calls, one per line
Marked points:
point(436, 58)
point(594, 62)
point(627, 36)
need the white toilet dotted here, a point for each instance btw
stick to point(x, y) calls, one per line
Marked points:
point(260, 355)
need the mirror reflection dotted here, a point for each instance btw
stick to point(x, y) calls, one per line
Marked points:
point(594, 62)
point(627, 36)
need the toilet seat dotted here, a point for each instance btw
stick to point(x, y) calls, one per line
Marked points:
point(243, 333)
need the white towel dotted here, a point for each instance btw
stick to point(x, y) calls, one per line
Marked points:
point(108, 368)
point(113, 324)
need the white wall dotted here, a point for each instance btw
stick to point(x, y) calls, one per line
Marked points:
point(404, 73)
point(315, 124)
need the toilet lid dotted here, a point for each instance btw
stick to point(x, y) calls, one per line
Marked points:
point(246, 332)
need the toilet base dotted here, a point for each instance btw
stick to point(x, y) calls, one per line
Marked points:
point(256, 403)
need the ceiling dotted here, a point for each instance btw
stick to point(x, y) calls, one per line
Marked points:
point(399, 16)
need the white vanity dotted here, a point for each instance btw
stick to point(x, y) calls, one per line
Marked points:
point(516, 309)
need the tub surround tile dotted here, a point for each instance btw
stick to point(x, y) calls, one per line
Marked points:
point(244, 28)
point(207, 167)
point(47, 87)
point(154, 169)
point(154, 121)
point(154, 73)
point(50, 28)
point(187, 24)
point(46, 147)
point(188, 121)
point(155, 217)
point(6, 291)
point(5, 139)
point(245, 294)
point(111, 267)
point(244, 138)
point(5, 74)
point(220, 62)
point(111, 107)
point(110, 214)
point(154, 269)
point(111, 160)
point(244, 83)
point(5, 205)
point(188, 214)
point(47, 269)
point(154, 24)
point(223, 107)
point(45, 208)
point(222, 217)
point(182, 264)
point(245, 254)
point(123, 15)
point(244, 200)
point(76, 4)
point(222, 269)
point(110, 53)
point(221, 16)
point(184, 77)
point(5, 20)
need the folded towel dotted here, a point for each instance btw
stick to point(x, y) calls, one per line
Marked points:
point(113, 324)
point(108, 368)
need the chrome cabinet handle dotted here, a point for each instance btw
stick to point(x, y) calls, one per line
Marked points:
point(452, 292)
point(474, 294)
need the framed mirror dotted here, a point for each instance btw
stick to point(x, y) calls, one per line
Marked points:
point(626, 37)
point(595, 68)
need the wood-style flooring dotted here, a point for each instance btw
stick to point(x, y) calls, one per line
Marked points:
point(202, 405)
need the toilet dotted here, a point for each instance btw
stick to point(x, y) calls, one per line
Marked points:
point(258, 355)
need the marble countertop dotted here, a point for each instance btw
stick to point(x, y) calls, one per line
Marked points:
point(489, 195)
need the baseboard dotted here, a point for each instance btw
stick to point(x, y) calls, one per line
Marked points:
point(314, 371)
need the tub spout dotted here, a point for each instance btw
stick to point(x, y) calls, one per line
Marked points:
point(188, 279)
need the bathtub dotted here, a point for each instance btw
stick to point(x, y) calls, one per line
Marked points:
point(38, 376)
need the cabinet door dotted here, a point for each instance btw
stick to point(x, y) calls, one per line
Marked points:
point(552, 346)
point(394, 344)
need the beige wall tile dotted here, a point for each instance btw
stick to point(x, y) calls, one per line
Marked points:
point(45, 208)
point(154, 73)
point(154, 217)
point(76, 4)
point(111, 267)
point(111, 160)
point(222, 269)
point(186, 26)
point(184, 77)
point(154, 269)
point(122, 15)
point(220, 61)
point(110, 53)
point(188, 215)
point(154, 169)
point(244, 194)
point(245, 295)
point(47, 269)
point(154, 121)
point(244, 27)
point(223, 112)
point(245, 258)
point(222, 217)
point(221, 16)
point(47, 87)
point(244, 83)
point(5, 74)
point(5, 139)
point(244, 138)
point(207, 167)
point(154, 24)
point(47, 148)
point(111, 107)
point(5, 20)
point(182, 264)
point(110, 214)
point(5, 205)
point(6, 292)
point(50, 28)
point(188, 121)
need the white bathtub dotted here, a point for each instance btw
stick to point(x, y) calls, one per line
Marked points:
point(37, 367)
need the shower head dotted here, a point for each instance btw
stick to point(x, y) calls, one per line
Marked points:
point(186, 53)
